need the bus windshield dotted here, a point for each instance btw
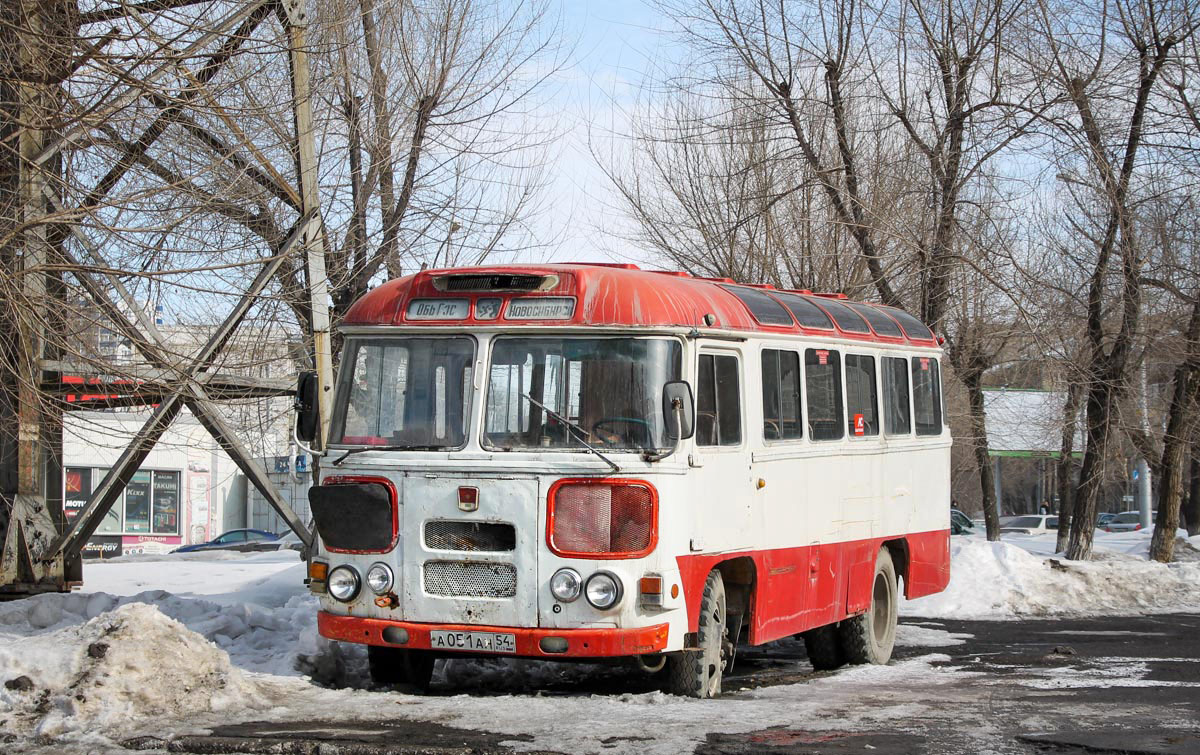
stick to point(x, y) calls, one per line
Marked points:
point(405, 393)
point(563, 393)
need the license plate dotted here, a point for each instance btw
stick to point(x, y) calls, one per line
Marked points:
point(481, 642)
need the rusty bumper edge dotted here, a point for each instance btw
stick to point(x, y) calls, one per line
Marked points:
point(581, 643)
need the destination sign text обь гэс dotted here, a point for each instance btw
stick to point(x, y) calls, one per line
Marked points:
point(438, 309)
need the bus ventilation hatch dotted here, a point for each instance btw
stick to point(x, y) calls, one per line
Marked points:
point(494, 282)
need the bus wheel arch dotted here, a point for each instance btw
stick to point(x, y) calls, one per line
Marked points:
point(739, 576)
point(900, 560)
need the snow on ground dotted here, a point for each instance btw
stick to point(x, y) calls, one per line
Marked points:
point(235, 638)
point(1021, 576)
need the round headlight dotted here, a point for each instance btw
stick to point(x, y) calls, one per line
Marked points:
point(379, 578)
point(566, 584)
point(343, 583)
point(603, 590)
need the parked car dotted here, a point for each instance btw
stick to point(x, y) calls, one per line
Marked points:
point(1128, 521)
point(1031, 524)
point(290, 541)
point(960, 523)
point(236, 540)
point(1105, 518)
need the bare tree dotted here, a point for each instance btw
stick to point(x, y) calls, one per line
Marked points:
point(893, 116)
point(1106, 62)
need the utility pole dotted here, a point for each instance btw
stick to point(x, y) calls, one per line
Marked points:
point(1143, 467)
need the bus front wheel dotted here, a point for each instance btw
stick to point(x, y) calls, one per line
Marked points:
point(698, 672)
point(399, 666)
point(870, 637)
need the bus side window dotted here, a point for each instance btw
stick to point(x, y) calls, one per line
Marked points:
point(823, 383)
point(895, 396)
point(781, 395)
point(718, 402)
point(927, 396)
point(862, 399)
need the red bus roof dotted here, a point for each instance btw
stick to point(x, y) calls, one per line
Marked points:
point(583, 294)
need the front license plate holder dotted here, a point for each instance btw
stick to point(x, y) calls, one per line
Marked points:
point(475, 642)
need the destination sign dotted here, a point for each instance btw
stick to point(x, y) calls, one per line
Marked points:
point(541, 308)
point(438, 309)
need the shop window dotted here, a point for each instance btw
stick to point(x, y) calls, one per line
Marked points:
point(166, 503)
point(781, 395)
point(77, 489)
point(823, 383)
point(862, 400)
point(150, 503)
point(927, 396)
point(137, 503)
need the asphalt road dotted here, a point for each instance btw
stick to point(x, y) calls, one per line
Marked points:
point(1108, 685)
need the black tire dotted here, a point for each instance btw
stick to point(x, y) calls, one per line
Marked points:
point(824, 648)
point(698, 673)
point(870, 637)
point(391, 666)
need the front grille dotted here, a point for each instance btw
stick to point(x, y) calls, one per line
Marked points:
point(489, 282)
point(459, 535)
point(470, 579)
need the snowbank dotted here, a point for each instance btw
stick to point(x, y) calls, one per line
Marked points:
point(127, 664)
point(1021, 577)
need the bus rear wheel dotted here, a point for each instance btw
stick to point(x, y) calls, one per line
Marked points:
point(824, 648)
point(870, 637)
point(399, 666)
point(698, 673)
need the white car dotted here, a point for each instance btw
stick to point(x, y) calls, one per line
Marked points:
point(1031, 524)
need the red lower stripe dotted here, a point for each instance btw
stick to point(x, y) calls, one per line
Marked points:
point(796, 589)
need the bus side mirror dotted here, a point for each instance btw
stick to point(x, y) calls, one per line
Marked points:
point(679, 410)
point(307, 410)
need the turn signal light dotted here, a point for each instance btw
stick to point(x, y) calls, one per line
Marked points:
point(650, 587)
point(318, 571)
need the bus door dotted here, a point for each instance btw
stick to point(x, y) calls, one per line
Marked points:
point(723, 516)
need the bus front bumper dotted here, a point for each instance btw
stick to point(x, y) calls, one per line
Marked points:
point(532, 643)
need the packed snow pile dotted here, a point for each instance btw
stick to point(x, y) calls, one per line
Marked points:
point(127, 664)
point(1021, 577)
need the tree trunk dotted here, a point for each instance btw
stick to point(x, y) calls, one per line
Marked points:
point(1100, 400)
point(1066, 464)
point(1180, 428)
point(973, 379)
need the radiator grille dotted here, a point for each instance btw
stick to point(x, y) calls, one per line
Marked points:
point(458, 535)
point(470, 579)
point(489, 282)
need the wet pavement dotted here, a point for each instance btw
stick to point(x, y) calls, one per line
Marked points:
point(1106, 685)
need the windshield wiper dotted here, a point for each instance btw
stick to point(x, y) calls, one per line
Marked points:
point(340, 459)
point(579, 432)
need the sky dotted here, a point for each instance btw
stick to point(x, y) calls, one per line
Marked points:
point(615, 46)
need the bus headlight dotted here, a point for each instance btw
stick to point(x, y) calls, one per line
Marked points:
point(379, 578)
point(603, 590)
point(344, 583)
point(566, 585)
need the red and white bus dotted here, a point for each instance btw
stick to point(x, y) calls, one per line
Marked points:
point(595, 461)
